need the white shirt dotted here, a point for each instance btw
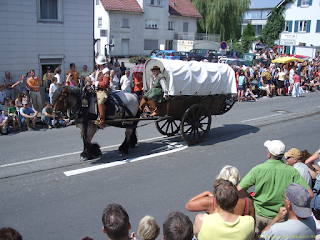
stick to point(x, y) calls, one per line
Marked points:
point(114, 84)
point(304, 171)
point(53, 87)
point(2, 117)
point(59, 80)
point(2, 98)
point(126, 83)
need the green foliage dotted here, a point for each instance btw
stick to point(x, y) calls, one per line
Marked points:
point(134, 59)
point(249, 30)
point(222, 17)
point(275, 25)
point(243, 46)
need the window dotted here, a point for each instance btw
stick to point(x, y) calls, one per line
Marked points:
point(264, 14)
point(97, 2)
point(50, 10)
point(318, 26)
point(257, 29)
point(185, 27)
point(156, 3)
point(151, 24)
point(302, 26)
point(304, 3)
point(288, 26)
point(170, 25)
point(100, 22)
point(150, 44)
point(125, 22)
point(253, 15)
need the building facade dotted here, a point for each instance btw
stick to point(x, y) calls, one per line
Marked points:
point(40, 33)
point(258, 18)
point(135, 27)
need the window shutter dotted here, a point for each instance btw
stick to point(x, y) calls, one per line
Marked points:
point(308, 26)
point(289, 26)
point(310, 2)
point(299, 3)
point(287, 49)
point(293, 49)
point(318, 26)
point(296, 25)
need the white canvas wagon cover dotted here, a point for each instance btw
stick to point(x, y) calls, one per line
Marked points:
point(192, 78)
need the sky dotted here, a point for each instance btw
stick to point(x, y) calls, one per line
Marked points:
point(264, 3)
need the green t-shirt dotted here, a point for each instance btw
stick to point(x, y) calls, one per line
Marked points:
point(271, 180)
point(47, 111)
point(12, 109)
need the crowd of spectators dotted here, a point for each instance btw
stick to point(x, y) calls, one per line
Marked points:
point(283, 206)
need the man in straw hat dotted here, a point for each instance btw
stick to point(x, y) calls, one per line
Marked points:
point(157, 92)
point(300, 224)
point(101, 83)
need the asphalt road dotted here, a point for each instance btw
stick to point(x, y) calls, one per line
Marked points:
point(47, 193)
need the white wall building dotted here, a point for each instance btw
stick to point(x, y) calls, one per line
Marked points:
point(138, 26)
point(38, 33)
point(302, 23)
point(258, 18)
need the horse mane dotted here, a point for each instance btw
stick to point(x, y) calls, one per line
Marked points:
point(72, 90)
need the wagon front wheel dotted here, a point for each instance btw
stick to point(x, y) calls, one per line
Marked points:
point(195, 124)
point(168, 126)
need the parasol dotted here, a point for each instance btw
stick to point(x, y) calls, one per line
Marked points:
point(138, 68)
point(287, 60)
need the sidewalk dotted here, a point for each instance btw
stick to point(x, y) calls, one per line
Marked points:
point(127, 64)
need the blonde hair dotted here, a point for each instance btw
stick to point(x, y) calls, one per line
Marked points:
point(148, 228)
point(230, 173)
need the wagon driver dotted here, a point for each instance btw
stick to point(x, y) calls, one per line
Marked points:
point(101, 83)
point(157, 92)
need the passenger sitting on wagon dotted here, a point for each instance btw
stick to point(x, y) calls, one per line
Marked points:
point(157, 92)
point(101, 82)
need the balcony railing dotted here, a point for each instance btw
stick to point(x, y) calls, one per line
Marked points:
point(197, 36)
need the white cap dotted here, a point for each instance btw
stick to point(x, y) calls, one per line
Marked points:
point(105, 70)
point(275, 147)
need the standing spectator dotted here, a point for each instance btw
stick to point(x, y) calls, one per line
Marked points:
point(53, 87)
point(296, 86)
point(122, 69)
point(148, 228)
point(7, 81)
point(12, 115)
point(281, 80)
point(241, 86)
point(224, 223)
point(3, 123)
point(47, 84)
point(27, 113)
point(84, 73)
point(116, 223)
point(177, 226)
point(138, 84)
point(126, 82)
point(9, 234)
point(46, 115)
point(34, 85)
point(58, 77)
point(291, 80)
point(114, 81)
point(23, 85)
point(69, 80)
point(45, 76)
point(2, 96)
point(300, 224)
point(74, 73)
point(293, 158)
point(270, 179)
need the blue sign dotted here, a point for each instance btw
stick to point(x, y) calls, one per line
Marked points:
point(223, 45)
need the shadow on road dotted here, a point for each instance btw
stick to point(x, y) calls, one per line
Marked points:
point(215, 135)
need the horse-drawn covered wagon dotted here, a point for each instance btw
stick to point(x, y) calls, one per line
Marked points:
point(196, 90)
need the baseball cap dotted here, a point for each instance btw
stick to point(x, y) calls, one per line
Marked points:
point(24, 102)
point(300, 200)
point(275, 147)
point(293, 152)
point(48, 67)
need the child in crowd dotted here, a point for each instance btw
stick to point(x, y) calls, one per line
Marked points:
point(249, 95)
point(25, 97)
point(53, 88)
point(18, 102)
point(148, 228)
point(12, 113)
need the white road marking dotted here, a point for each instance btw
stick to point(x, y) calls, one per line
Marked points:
point(108, 165)
point(252, 119)
point(66, 154)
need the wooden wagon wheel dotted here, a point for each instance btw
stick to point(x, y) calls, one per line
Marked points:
point(168, 126)
point(195, 124)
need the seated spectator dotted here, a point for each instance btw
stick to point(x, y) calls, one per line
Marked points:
point(293, 158)
point(205, 201)
point(224, 223)
point(116, 223)
point(126, 82)
point(301, 224)
point(3, 123)
point(264, 86)
point(27, 114)
point(13, 116)
point(2, 96)
point(314, 169)
point(177, 226)
point(46, 115)
point(9, 234)
point(148, 228)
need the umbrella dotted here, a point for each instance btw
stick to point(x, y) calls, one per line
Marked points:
point(286, 60)
point(138, 68)
point(266, 74)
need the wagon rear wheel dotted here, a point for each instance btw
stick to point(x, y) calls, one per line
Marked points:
point(195, 124)
point(168, 126)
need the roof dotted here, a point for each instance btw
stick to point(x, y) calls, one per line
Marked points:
point(183, 8)
point(121, 5)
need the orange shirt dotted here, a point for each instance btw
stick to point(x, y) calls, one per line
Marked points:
point(75, 76)
point(34, 83)
point(139, 86)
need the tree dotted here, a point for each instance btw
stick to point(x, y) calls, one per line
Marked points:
point(249, 30)
point(222, 17)
point(275, 24)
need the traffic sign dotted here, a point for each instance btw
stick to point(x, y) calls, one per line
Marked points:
point(223, 45)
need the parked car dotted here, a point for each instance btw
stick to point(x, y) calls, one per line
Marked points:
point(168, 54)
point(231, 54)
point(187, 56)
point(202, 54)
point(237, 62)
point(250, 57)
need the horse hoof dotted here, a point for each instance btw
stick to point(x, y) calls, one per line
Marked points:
point(82, 158)
point(120, 154)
